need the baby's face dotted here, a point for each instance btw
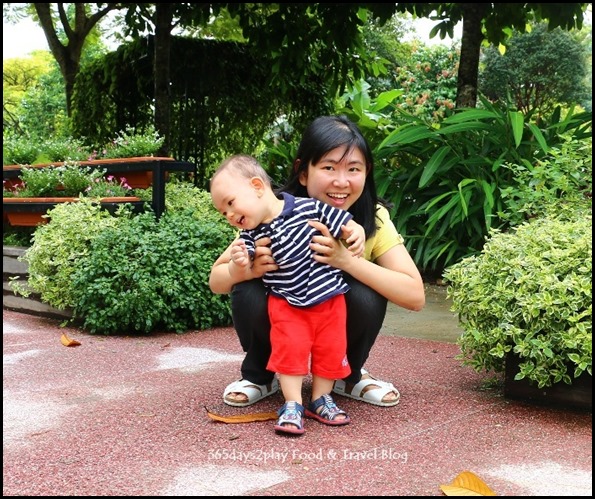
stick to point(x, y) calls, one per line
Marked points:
point(237, 200)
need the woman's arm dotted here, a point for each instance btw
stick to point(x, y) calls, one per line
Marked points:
point(394, 274)
point(223, 275)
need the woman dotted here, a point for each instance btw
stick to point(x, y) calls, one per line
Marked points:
point(334, 164)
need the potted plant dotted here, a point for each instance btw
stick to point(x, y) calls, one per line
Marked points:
point(26, 203)
point(524, 304)
point(128, 156)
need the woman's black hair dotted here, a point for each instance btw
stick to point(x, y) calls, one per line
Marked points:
point(321, 136)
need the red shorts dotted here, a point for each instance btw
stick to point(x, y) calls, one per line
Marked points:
point(319, 331)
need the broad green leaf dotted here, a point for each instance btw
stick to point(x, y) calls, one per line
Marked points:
point(385, 98)
point(539, 137)
point(471, 115)
point(464, 127)
point(433, 165)
point(516, 121)
point(465, 196)
point(488, 204)
point(406, 136)
point(437, 199)
point(438, 215)
point(488, 191)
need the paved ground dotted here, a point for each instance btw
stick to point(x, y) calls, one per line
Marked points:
point(435, 322)
point(126, 416)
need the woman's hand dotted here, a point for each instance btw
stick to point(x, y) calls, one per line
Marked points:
point(327, 249)
point(263, 258)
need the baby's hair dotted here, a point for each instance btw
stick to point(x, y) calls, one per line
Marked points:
point(245, 165)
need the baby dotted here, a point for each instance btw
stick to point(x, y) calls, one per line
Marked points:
point(306, 300)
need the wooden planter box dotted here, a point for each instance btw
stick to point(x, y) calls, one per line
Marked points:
point(578, 395)
point(136, 171)
point(140, 172)
point(28, 212)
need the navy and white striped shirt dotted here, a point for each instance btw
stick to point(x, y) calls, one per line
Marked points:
point(300, 279)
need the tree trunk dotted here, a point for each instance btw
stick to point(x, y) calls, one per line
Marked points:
point(470, 51)
point(68, 56)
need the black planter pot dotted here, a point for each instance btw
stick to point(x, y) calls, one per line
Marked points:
point(578, 395)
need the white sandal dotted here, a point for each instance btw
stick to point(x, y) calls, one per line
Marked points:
point(253, 392)
point(372, 396)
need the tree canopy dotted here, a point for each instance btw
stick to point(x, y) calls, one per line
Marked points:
point(303, 40)
point(539, 70)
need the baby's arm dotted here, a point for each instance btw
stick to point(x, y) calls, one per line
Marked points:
point(355, 237)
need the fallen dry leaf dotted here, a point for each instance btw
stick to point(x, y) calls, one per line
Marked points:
point(68, 342)
point(242, 418)
point(467, 484)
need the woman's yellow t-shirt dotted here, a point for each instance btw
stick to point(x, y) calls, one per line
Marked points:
point(385, 238)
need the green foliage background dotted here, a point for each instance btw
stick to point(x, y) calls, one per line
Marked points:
point(219, 91)
point(538, 71)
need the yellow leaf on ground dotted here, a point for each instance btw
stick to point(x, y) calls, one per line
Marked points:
point(68, 342)
point(243, 418)
point(467, 484)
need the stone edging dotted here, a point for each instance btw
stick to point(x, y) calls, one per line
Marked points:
point(13, 267)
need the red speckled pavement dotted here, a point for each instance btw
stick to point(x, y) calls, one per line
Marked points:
point(126, 416)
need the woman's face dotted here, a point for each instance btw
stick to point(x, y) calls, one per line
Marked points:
point(338, 178)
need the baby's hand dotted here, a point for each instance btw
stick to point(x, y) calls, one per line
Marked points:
point(355, 237)
point(239, 253)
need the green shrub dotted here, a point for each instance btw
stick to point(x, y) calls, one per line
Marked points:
point(528, 292)
point(109, 187)
point(445, 180)
point(132, 273)
point(28, 151)
point(59, 150)
point(59, 246)
point(17, 236)
point(39, 182)
point(19, 151)
point(562, 181)
point(130, 143)
point(142, 275)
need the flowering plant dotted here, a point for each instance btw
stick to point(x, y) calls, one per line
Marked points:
point(109, 186)
point(68, 180)
point(128, 143)
point(131, 143)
